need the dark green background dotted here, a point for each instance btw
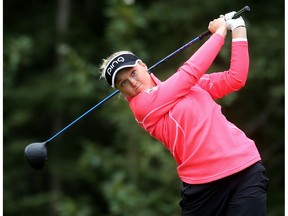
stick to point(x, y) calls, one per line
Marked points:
point(105, 164)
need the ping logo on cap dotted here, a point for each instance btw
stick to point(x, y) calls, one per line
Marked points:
point(118, 62)
point(112, 64)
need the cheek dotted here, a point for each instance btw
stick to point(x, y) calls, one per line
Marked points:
point(128, 92)
point(145, 77)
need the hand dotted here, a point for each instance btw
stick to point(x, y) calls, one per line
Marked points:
point(235, 23)
point(232, 24)
point(228, 16)
point(218, 26)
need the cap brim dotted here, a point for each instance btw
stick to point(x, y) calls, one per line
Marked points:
point(125, 65)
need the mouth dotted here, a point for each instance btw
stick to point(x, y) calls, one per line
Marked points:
point(136, 89)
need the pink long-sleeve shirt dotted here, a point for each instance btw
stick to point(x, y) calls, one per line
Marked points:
point(181, 112)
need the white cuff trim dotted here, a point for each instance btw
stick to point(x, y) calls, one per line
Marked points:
point(239, 39)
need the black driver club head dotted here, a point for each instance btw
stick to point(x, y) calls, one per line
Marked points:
point(36, 155)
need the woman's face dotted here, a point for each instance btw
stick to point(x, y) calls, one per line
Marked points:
point(131, 81)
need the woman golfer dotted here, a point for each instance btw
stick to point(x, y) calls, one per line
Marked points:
point(219, 165)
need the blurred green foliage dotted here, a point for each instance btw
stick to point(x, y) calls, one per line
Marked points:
point(105, 164)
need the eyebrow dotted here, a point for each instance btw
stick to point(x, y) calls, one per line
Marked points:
point(119, 82)
point(128, 71)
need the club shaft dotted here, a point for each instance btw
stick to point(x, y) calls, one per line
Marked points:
point(195, 40)
point(84, 114)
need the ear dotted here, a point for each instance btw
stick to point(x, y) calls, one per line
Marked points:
point(144, 65)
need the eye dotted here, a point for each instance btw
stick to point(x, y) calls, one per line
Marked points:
point(123, 83)
point(133, 73)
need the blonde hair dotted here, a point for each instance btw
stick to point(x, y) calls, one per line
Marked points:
point(106, 61)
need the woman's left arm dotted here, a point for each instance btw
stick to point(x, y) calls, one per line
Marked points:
point(219, 84)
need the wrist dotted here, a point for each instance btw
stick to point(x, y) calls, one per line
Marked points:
point(222, 32)
point(236, 27)
point(239, 32)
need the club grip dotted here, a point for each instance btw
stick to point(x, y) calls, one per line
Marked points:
point(240, 12)
point(236, 15)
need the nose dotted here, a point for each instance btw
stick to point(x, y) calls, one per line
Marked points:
point(133, 82)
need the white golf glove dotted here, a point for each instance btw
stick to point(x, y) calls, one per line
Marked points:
point(228, 16)
point(233, 23)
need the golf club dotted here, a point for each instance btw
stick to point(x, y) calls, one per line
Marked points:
point(36, 153)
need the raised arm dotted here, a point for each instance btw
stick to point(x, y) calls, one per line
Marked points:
point(219, 84)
